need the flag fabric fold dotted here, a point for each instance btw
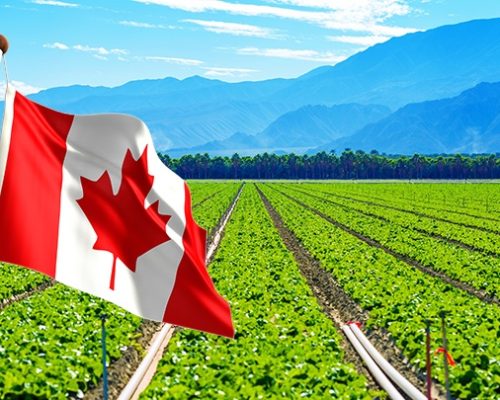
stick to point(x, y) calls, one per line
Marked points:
point(86, 200)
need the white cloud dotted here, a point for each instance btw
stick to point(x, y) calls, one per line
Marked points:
point(366, 41)
point(146, 25)
point(374, 29)
point(307, 55)
point(101, 53)
point(217, 72)
point(354, 15)
point(175, 60)
point(233, 28)
point(99, 57)
point(54, 3)
point(56, 45)
point(373, 8)
point(23, 87)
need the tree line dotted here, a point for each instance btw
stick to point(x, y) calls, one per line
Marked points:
point(347, 165)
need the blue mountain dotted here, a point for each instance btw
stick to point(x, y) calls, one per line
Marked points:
point(296, 131)
point(434, 64)
point(178, 112)
point(310, 125)
point(468, 123)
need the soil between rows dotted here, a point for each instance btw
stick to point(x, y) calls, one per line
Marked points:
point(121, 370)
point(206, 199)
point(26, 294)
point(341, 308)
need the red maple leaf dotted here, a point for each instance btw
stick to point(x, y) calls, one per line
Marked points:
point(124, 227)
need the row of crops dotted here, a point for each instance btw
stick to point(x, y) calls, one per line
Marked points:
point(285, 346)
point(251, 269)
point(15, 281)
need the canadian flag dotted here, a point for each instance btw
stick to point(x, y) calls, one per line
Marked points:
point(85, 200)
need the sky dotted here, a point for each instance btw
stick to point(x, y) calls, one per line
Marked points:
point(110, 42)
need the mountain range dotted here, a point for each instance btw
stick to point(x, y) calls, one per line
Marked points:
point(468, 123)
point(323, 124)
point(386, 98)
point(429, 65)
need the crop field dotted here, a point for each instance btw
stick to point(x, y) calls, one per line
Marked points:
point(296, 260)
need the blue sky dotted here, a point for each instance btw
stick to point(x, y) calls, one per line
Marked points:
point(109, 42)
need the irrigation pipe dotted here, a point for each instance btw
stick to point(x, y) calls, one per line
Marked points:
point(136, 379)
point(387, 368)
point(218, 235)
point(376, 372)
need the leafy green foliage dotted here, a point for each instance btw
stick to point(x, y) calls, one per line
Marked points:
point(285, 347)
point(472, 203)
point(201, 190)
point(50, 343)
point(400, 298)
point(476, 269)
point(209, 213)
point(419, 214)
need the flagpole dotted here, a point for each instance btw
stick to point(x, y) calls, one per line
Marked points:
point(104, 367)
